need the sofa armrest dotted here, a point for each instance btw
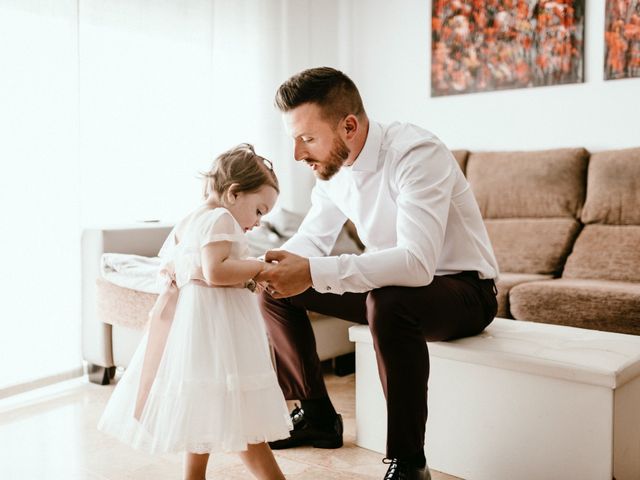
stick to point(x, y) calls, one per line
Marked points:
point(139, 239)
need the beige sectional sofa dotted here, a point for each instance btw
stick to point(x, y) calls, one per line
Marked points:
point(565, 226)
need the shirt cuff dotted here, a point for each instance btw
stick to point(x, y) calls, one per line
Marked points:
point(324, 274)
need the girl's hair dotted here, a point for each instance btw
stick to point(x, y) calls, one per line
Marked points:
point(242, 166)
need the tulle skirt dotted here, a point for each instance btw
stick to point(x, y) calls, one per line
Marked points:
point(215, 388)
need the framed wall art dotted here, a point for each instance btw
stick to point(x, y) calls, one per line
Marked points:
point(485, 45)
point(622, 39)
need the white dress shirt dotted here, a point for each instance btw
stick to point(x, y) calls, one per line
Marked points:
point(412, 208)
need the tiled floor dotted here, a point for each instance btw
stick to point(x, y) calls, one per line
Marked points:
point(54, 436)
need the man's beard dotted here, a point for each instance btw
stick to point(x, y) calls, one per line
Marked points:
point(338, 155)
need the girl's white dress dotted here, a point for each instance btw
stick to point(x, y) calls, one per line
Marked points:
point(215, 388)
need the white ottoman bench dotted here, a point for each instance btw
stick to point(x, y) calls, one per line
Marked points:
point(520, 401)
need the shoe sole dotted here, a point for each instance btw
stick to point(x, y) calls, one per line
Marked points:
point(327, 444)
point(284, 444)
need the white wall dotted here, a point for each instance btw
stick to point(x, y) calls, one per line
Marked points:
point(390, 44)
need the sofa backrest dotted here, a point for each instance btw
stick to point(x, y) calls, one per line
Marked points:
point(461, 157)
point(609, 245)
point(531, 202)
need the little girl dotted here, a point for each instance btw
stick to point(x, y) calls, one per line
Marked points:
point(201, 380)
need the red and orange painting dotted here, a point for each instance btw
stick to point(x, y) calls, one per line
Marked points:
point(484, 45)
point(622, 39)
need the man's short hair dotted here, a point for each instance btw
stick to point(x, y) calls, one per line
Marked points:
point(330, 89)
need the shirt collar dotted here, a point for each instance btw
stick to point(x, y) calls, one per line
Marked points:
point(367, 160)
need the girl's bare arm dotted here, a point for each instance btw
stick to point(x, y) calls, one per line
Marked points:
point(218, 269)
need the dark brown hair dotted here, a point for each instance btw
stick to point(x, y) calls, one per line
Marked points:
point(242, 166)
point(330, 89)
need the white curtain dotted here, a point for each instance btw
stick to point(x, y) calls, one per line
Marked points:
point(39, 201)
point(108, 110)
point(145, 116)
point(164, 87)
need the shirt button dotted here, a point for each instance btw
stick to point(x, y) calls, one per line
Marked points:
point(328, 288)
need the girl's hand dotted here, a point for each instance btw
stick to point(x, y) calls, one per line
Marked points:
point(261, 285)
point(252, 284)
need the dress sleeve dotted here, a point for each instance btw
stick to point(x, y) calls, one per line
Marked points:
point(166, 270)
point(219, 226)
point(168, 247)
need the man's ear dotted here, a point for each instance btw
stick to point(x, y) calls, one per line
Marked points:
point(232, 193)
point(350, 125)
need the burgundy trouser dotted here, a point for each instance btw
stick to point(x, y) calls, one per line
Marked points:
point(400, 319)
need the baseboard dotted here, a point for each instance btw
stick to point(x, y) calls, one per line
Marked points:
point(40, 382)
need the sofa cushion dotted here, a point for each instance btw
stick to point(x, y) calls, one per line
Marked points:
point(122, 306)
point(532, 245)
point(613, 188)
point(506, 282)
point(546, 183)
point(461, 157)
point(607, 252)
point(595, 304)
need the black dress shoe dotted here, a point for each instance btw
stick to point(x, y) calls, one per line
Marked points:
point(305, 433)
point(399, 470)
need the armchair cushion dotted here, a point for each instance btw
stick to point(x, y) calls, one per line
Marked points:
point(122, 306)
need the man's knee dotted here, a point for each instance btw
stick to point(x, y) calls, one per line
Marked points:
point(275, 311)
point(383, 310)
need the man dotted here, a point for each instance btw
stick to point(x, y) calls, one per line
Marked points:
point(427, 272)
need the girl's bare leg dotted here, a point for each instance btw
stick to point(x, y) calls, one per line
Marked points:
point(195, 466)
point(260, 461)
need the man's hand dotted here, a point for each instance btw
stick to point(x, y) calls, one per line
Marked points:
point(287, 275)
